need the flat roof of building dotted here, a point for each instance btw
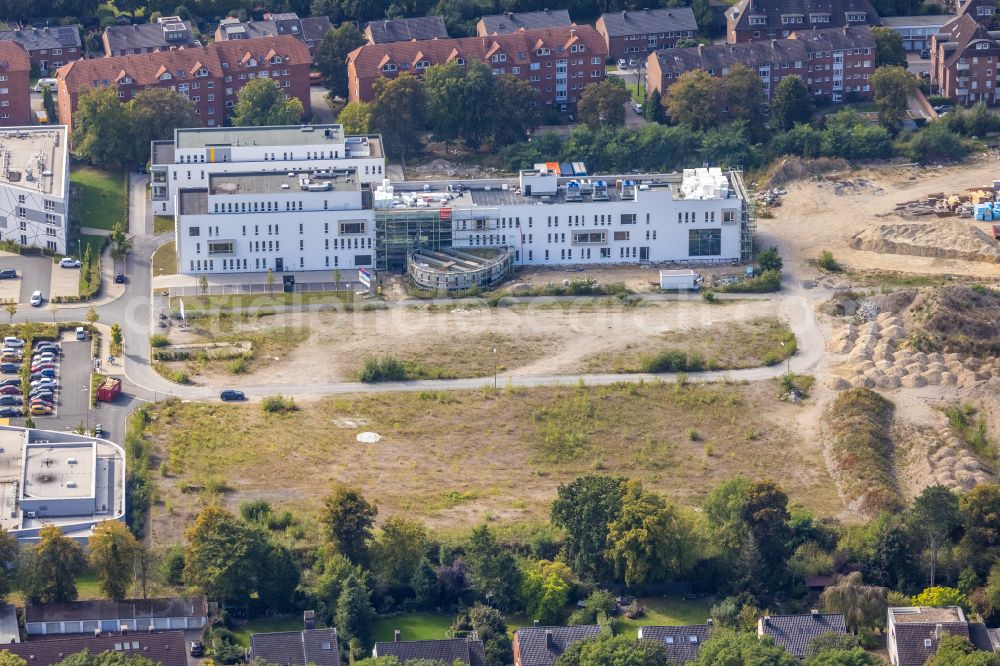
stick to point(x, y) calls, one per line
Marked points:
point(193, 201)
point(261, 182)
point(58, 470)
point(163, 152)
point(277, 135)
point(34, 158)
point(927, 614)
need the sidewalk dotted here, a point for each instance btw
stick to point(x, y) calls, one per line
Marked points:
point(243, 279)
point(115, 369)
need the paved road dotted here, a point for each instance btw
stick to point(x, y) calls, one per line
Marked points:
point(33, 273)
point(322, 113)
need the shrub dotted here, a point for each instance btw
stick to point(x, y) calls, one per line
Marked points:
point(388, 369)
point(764, 282)
point(278, 404)
point(828, 263)
point(708, 295)
point(238, 366)
point(672, 361)
point(159, 340)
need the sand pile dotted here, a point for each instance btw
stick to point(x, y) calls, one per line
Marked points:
point(937, 456)
point(943, 239)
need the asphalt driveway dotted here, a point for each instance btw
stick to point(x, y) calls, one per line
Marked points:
point(33, 272)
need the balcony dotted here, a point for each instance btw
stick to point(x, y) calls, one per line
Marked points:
point(962, 67)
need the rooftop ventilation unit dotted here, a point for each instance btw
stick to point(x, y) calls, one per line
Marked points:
point(601, 191)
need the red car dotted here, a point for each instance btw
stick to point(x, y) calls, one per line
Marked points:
point(42, 366)
point(10, 390)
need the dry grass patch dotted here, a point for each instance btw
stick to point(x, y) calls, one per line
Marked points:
point(725, 346)
point(455, 459)
point(961, 319)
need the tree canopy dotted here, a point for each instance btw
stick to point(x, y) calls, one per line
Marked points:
point(50, 567)
point(262, 102)
point(348, 519)
point(602, 104)
point(331, 56)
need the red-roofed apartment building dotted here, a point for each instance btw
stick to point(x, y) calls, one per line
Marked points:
point(558, 62)
point(209, 76)
point(15, 90)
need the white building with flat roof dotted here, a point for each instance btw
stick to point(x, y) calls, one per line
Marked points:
point(196, 153)
point(34, 186)
point(70, 480)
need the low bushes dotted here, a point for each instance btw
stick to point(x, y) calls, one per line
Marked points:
point(388, 369)
point(828, 263)
point(278, 404)
point(763, 282)
point(672, 360)
point(158, 341)
point(971, 429)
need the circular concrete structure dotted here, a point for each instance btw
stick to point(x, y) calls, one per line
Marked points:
point(449, 269)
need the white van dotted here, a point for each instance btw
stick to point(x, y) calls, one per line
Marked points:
point(81, 333)
point(51, 83)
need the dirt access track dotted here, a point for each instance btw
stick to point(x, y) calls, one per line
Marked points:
point(823, 214)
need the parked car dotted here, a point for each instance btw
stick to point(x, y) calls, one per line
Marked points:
point(10, 368)
point(36, 298)
point(633, 63)
point(81, 333)
point(944, 108)
point(622, 63)
point(41, 410)
point(43, 381)
point(925, 54)
point(49, 83)
point(10, 390)
point(637, 108)
point(13, 343)
point(119, 278)
point(316, 79)
point(8, 400)
point(47, 347)
point(9, 412)
point(44, 357)
point(69, 262)
point(98, 430)
point(41, 374)
point(42, 393)
point(14, 354)
point(44, 365)
point(197, 649)
point(230, 394)
point(8, 274)
point(11, 381)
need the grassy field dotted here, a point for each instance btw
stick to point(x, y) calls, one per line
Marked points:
point(101, 197)
point(244, 630)
point(665, 611)
point(451, 458)
point(165, 259)
point(721, 347)
point(278, 297)
point(162, 224)
point(413, 626)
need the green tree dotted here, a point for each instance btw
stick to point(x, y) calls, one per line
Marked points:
point(102, 129)
point(221, 555)
point(203, 284)
point(791, 103)
point(958, 651)
point(154, 114)
point(398, 113)
point(48, 575)
point(515, 110)
point(936, 521)
point(602, 104)
point(831, 641)
point(355, 614)
point(454, 96)
point(424, 583)
point(261, 102)
point(356, 117)
point(397, 551)
point(545, 589)
point(120, 244)
point(888, 47)
point(330, 577)
point(490, 626)
point(584, 509)
point(843, 657)
point(348, 519)
point(11, 308)
point(726, 647)
point(936, 142)
point(652, 110)
point(606, 649)
point(980, 509)
point(112, 551)
point(693, 100)
point(942, 596)
point(770, 259)
point(48, 103)
point(743, 91)
point(892, 87)
point(8, 658)
point(331, 56)
point(8, 556)
point(863, 606)
point(766, 516)
point(117, 339)
point(650, 540)
point(92, 316)
point(492, 569)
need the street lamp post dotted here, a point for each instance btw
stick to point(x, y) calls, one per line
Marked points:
point(494, 367)
point(86, 389)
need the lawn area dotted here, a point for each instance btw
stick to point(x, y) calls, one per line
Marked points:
point(165, 259)
point(162, 224)
point(278, 297)
point(99, 197)
point(243, 631)
point(663, 611)
point(413, 626)
point(445, 457)
point(638, 96)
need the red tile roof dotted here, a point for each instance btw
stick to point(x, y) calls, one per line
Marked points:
point(146, 69)
point(370, 58)
point(14, 57)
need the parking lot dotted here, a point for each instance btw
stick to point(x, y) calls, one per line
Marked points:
point(72, 389)
point(32, 273)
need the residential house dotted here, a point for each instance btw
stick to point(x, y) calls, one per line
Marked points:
point(835, 64)
point(48, 48)
point(466, 651)
point(964, 61)
point(915, 633)
point(387, 31)
point(793, 632)
point(633, 34)
point(166, 34)
point(211, 77)
point(166, 648)
point(15, 85)
point(105, 616)
point(317, 647)
point(310, 31)
point(502, 24)
point(982, 11)
point(751, 20)
point(558, 62)
point(681, 642)
point(917, 31)
point(541, 646)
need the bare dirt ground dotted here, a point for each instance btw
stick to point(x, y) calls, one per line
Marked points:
point(537, 339)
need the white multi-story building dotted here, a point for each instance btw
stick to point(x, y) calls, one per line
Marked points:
point(196, 153)
point(34, 186)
